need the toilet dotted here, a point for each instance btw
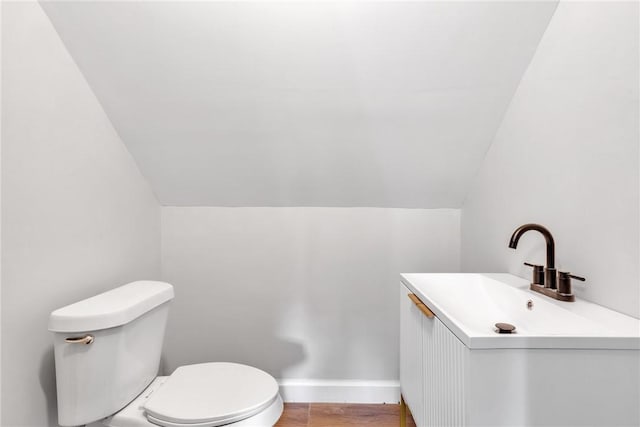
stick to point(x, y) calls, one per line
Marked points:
point(107, 353)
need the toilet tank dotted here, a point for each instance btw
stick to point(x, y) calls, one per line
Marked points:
point(118, 340)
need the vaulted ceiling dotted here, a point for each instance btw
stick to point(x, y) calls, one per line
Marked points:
point(349, 103)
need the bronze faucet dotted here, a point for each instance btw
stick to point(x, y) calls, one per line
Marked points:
point(549, 270)
point(545, 280)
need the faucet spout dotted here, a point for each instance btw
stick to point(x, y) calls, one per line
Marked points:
point(551, 246)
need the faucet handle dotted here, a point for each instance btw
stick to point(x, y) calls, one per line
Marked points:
point(538, 273)
point(564, 281)
point(571, 276)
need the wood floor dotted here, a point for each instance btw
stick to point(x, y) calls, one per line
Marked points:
point(340, 415)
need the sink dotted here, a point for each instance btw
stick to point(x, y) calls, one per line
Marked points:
point(470, 304)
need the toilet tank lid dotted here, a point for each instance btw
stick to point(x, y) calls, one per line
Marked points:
point(112, 308)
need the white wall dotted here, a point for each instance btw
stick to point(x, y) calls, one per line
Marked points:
point(566, 156)
point(300, 292)
point(1, 7)
point(77, 216)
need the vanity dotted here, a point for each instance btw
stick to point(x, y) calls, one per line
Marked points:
point(564, 364)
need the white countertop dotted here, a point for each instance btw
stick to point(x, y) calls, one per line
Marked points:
point(470, 304)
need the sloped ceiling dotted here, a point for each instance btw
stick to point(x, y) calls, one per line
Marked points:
point(389, 104)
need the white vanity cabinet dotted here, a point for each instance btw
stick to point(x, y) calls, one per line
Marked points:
point(432, 365)
point(446, 381)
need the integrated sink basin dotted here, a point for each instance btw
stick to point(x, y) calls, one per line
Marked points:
point(471, 304)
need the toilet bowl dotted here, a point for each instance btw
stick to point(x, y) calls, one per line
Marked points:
point(204, 395)
point(107, 351)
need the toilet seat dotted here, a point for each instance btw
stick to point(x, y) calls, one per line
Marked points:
point(211, 394)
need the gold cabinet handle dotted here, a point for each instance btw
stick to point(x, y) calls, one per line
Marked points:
point(414, 298)
point(423, 308)
point(87, 339)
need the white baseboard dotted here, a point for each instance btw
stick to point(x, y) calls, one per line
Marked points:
point(340, 391)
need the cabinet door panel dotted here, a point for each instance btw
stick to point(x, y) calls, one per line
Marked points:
point(411, 356)
point(444, 366)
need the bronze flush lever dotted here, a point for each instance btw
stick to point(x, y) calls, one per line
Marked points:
point(87, 339)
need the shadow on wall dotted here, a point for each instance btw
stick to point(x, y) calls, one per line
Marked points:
point(47, 376)
point(238, 336)
point(270, 353)
point(283, 354)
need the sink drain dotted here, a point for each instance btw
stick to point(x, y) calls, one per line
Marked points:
point(505, 328)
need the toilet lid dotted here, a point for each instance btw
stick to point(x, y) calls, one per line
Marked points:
point(211, 394)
